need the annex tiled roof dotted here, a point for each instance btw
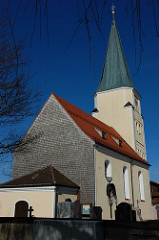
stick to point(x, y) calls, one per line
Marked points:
point(46, 176)
point(92, 126)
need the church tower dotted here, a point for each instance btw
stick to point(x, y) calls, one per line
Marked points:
point(117, 103)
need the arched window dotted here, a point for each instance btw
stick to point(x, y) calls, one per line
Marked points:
point(68, 199)
point(21, 209)
point(141, 186)
point(139, 129)
point(108, 171)
point(126, 182)
point(137, 126)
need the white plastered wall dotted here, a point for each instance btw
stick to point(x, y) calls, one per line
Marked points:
point(41, 200)
point(111, 110)
point(116, 107)
point(118, 161)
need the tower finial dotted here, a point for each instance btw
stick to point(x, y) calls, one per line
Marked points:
point(113, 10)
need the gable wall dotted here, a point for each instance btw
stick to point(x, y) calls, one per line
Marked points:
point(61, 144)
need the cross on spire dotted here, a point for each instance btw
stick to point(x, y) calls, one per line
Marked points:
point(113, 10)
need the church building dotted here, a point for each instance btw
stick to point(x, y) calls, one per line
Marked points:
point(117, 96)
point(101, 158)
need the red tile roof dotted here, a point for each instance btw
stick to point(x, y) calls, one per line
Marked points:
point(89, 124)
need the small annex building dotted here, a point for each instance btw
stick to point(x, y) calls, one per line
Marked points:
point(103, 154)
point(36, 194)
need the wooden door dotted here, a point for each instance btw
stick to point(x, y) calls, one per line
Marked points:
point(21, 209)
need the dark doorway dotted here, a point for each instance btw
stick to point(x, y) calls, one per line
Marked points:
point(21, 209)
point(124, 212)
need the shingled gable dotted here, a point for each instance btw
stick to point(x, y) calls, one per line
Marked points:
point(46, 176)
point(90, 126)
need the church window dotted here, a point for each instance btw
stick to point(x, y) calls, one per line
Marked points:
point(119, 142)
point(136, 102)
point(141, 186)
point(140, 129)
point(108, 171)
point(126, 182)
point(137, 126)
point(103, 135)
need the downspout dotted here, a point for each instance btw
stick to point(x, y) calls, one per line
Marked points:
point(94, 160)
point(54, 202)
point(132, 184)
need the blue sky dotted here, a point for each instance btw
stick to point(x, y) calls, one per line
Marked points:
point(70, 74)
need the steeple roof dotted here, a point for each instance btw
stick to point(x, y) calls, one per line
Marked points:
point(115, 71)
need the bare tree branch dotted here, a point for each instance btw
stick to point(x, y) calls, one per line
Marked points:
point(97, 8)
point(17, 99)
point(154, 14)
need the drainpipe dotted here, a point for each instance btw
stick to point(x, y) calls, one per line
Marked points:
point(94, 159)
point(54, 202)
point(132, 185)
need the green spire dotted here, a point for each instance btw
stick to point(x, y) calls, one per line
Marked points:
point(115, 71)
